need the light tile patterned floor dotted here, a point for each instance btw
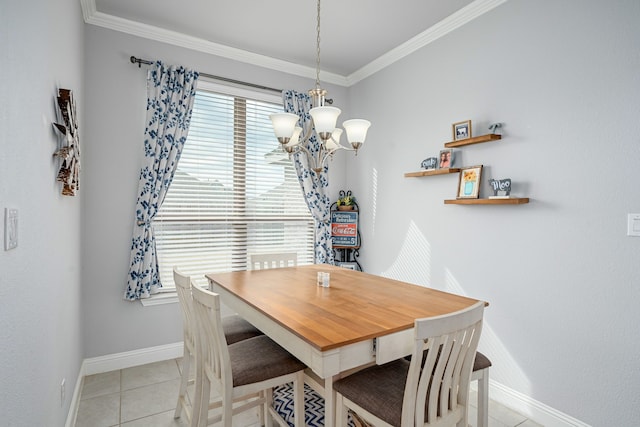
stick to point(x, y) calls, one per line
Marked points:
point(145, 396)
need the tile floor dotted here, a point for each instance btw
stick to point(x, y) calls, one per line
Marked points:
point(145, 396)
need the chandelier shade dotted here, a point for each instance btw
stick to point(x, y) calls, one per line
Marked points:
point(356, 130)
point(324, 120)
point(283, 125)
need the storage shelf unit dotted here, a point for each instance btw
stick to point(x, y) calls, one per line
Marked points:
point(475, 140)
point(511, 201)
point(432, 172)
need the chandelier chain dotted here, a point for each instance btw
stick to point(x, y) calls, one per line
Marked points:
point(318, 49)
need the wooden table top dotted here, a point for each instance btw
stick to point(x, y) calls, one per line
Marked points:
point(356, 307)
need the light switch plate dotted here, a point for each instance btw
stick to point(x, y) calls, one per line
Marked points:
point(10, 229)
point(633, 225)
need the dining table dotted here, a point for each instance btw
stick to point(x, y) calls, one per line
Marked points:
point(359, 319)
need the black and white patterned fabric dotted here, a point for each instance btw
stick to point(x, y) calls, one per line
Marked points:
point(313, 402)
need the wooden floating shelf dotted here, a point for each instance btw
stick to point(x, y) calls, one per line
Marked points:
point(432, 172)
point(513, 201)
point(474, 140)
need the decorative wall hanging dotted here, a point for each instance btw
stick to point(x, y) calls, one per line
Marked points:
point(69, 153)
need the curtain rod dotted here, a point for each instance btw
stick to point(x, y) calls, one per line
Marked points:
point(139, 61)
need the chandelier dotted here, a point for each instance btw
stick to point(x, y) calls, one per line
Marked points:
point(323, 119)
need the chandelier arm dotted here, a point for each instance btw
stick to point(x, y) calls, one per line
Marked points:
point(308, 132)
point(310, 158)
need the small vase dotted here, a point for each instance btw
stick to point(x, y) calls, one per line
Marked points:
point(345, 208)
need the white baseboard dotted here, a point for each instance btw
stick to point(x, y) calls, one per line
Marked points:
point(75, 400)
point(531, 408)
point(128, 359)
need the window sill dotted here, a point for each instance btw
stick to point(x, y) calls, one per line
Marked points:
point(160, 299)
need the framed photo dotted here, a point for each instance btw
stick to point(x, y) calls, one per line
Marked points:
point(445, 160)
point(469, 182)
point(461, 130)
point(349, 265)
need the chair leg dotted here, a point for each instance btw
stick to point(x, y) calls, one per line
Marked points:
point(342, 413)
point(268, 403)
point(197, 420)
point(298, 400)
point(483, 398)
point(184, 382)
point(227, 411)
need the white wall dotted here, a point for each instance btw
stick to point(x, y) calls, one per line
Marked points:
point(41, 48)
point(116, 107)
point(560, 274)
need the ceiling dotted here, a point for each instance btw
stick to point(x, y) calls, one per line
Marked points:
point(358, 37)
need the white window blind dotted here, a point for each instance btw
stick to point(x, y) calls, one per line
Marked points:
point(234, 193)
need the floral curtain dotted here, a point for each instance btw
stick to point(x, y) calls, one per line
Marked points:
point(170, 94)
point(314, 185)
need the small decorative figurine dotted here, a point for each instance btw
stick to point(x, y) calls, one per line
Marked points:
point(429, 163)
point(493, 127)
point(501, 185)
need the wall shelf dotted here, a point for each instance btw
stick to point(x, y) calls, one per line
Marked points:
point(474, 140)
point(511, 201)
point(431, 172)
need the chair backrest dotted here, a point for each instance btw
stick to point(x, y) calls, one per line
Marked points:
point(211, 344)
point(183, 288)
point(437, 387)
point(273, 260)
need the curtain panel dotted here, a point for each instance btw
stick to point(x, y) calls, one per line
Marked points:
point(314, 186)
point(170, 95)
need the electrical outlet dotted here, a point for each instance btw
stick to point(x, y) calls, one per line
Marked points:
point(63, 391)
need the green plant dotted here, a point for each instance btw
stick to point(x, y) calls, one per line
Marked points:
point(346, 201)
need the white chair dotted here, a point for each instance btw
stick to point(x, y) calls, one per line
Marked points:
point(430, 390)
point(273, 260)
point(235, 327)
point(239, 371)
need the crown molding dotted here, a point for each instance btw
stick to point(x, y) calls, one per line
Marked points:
point(442, 28)
point(454, 21)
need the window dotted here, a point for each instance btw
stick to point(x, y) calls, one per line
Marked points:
point(234, 193)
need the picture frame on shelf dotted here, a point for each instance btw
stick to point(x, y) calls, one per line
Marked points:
point(445, 159)
point(469, 182)
point(461, 130)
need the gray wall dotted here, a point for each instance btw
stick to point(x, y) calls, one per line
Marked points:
point(116, 103)
point(41, 48)
point(560, 274)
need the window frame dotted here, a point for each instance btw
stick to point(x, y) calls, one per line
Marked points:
point(167, 294)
